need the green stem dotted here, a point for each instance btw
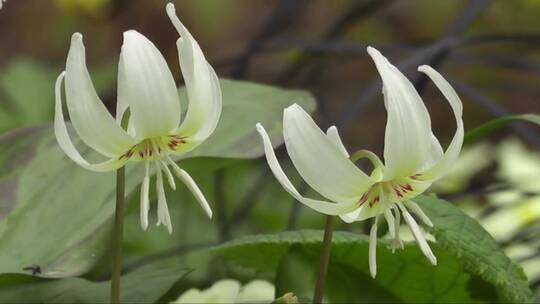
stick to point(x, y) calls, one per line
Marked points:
point(118, 235)
point(325, 258)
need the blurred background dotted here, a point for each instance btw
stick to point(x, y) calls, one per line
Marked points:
point(488, 50)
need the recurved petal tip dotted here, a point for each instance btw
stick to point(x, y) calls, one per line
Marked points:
point(76, 37)
point(259, 127)
point(294, 106)
point(170, 7)
point(373, 51)
point(423, 68)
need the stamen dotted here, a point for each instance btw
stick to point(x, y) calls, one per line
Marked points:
point(390, 221)
point(145, 187)
point(168, 174)
point(418, 235)
point(373, 248)
point(419, 212)
point(397, 243)
point(163, 211)
point(192, 186)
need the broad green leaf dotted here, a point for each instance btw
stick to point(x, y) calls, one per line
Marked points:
point(345, 284)
point(23, 106)
point(405, 275)
point(488, 127)
point(55, 214)
point(244, 105)
point(464, 238)
point(144, 285)
point(471, 266)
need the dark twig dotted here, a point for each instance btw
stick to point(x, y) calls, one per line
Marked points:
point(498, 60)
point(281, 16)
point(458, 26)
point(356, 11)
point(495, 109)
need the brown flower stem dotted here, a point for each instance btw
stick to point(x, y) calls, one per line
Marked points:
point(325, 258)
point(118, 235)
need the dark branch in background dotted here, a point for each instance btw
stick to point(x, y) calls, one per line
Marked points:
point(498, 60)
point(433, 54)
point(356, 11)
point(279, 19)
point(495, 109)
point(358, 49)
point(458, 26)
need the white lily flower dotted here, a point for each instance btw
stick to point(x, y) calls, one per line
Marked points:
point(413, 158)
point(147, 91)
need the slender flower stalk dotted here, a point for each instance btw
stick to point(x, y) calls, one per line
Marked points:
point(155, 134)
point(324, 260)
point(118, 234)
point(414, 159)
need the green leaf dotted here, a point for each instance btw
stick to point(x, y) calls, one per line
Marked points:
point(144, 285)
point(244, 105)
point(23, 106)
point(464, 238)
point(342, 286)
point(55, 214)
point(488, 127)
point(471, 266)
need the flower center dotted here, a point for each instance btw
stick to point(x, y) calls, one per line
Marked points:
point(154, 148)
point(389, 192)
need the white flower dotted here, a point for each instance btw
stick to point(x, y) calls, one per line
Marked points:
point(413, 160)
point(2, 3)
point(148, 99)
point(230, 291)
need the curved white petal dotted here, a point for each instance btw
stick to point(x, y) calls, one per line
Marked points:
point(339, 208)
point(65, 143)
point(162, 209)
point(95, 126)
point(452, 152)
point(202, 84)
point(192, 186)
point(322, 165)
point(435, 155)
point(147, 85)
point(145, 204)
point(408, 127)
point(333, 135)
point(352, 216)
point(373, 248)
point(418, 235)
